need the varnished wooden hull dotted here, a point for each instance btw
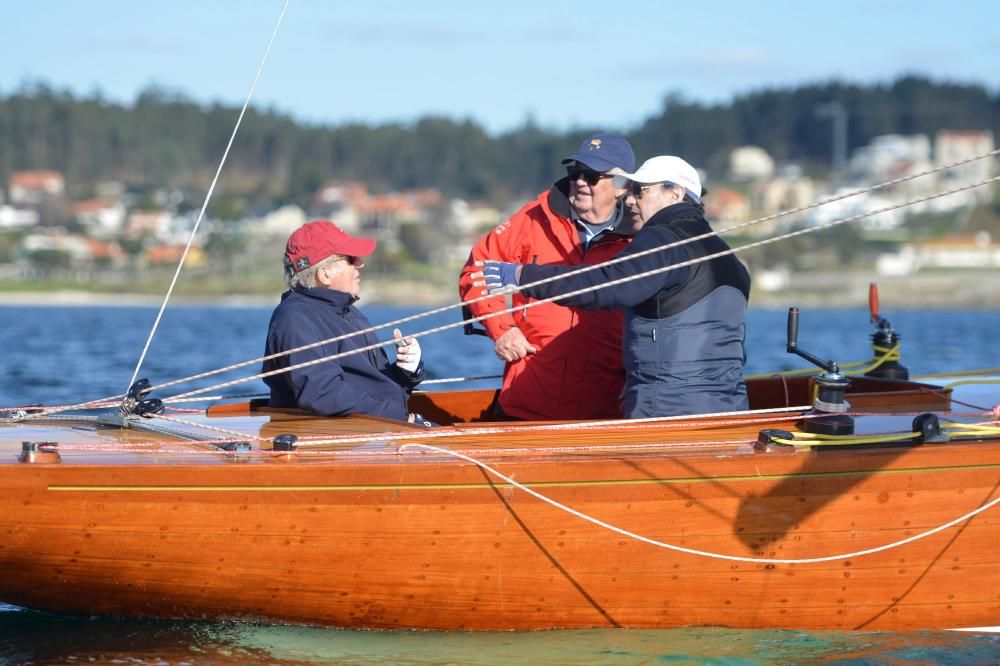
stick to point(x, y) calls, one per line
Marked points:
point(371, 537)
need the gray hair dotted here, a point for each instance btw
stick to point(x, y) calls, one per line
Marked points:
point(307, 278)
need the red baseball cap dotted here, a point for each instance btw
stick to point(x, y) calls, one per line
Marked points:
point(315, 241)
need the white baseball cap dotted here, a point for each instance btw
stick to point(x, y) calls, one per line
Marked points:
point(664, 169)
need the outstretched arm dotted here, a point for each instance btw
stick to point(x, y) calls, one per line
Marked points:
point(597, 292)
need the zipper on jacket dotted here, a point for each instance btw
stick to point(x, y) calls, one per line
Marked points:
point(524, 313)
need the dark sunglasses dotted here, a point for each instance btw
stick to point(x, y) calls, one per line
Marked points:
point(353, 261)
point(636, 189)
point(589, 176)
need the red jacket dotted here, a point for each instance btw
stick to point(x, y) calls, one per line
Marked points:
point(577, 371)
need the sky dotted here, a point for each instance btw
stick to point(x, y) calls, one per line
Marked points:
point(562, 64)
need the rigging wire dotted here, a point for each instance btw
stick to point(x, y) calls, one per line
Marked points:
point(208, 195)
point(584, 269)
point(536, 303)
point(404, 320)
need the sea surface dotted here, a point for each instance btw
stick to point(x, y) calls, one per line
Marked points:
point(58, 355)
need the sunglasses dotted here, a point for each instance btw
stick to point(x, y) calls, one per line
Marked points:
point(636, 189)
point(353, 261)
point(589, 176)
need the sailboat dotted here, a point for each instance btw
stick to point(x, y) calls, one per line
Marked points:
point(837, 501)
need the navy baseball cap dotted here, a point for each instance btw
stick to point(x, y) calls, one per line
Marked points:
point(604, 152)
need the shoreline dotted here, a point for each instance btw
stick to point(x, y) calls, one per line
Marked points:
point(965, 290)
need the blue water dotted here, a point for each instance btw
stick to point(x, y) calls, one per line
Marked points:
point(60, 355)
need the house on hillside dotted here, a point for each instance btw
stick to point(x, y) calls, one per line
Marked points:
point(727, 207)
point(32, 188)
point(17, 218)
point(472, 218)
point(280, 223)
point(894, 156)
point(953, 146)
point(382, 214)
point(338, 201)
point(749, 163)
point(165, 254)
point(959, 251)
point(101, 218)
point(148, 224)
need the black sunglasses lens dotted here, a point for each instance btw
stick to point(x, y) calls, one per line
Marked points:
point(635, 189)
point(590, 177)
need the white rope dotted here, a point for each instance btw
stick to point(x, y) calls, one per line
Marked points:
point(208, 196)
point(693, 551)
point(428, 313)
point(450, 380)
point(536, 303)
point(209, 398)
point(232, 433)
point(741, 248)
point(562, 276)
point(738, 418)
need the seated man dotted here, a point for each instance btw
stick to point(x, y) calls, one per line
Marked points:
point(684, 333)
point(323, 271)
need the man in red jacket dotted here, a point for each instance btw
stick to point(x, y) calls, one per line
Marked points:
point(561, 363)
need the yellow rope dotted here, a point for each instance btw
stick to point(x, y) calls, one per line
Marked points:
point(962, 382)
point(842, 440)
point(812, 439)
point(888, 354)
point(964, 373)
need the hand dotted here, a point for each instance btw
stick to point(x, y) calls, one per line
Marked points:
point(420, 419)
point(407, 352)
point(513, 346)
point(499, 277)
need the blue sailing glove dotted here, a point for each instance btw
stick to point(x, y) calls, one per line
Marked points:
point(500, 277)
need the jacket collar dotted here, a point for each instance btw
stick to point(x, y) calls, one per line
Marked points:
point(559, 198)
point(676, 212)
point(558, 204)
point(339, 299)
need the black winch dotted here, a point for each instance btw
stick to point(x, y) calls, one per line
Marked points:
point(827, 417)
point(884, 343)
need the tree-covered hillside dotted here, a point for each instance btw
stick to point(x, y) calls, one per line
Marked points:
point(165, 139)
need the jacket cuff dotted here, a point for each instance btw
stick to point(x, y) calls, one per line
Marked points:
point(497, 326)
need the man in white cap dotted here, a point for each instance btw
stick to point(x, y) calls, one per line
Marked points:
point(684, 328)
point(323, 270)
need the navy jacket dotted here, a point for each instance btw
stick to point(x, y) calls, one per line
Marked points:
point(683, 344)
point(361, 383)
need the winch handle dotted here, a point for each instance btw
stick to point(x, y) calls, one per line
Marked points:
point(793, 328)
point(792, 346)
point(873, 303)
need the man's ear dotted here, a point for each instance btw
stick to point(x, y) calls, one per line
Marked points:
point(323, 275)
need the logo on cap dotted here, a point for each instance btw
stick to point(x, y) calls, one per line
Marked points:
point(302, 263)
point(595, 144)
